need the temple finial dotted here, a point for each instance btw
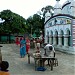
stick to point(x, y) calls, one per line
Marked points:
point(57, 0)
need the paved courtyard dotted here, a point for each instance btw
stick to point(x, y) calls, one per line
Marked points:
point(20, 66)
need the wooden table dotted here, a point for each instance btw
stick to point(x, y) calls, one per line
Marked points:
point(42, 60)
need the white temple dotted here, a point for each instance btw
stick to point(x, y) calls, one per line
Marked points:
point(60, 28)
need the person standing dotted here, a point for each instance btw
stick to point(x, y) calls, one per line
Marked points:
point(27, 45)
point(20, 40)
point(17, 41)
point(38, 44)
point(34, 42)
point(22, 47)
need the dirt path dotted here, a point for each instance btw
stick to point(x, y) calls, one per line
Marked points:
point(20, 66)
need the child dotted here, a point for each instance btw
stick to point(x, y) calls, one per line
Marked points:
point(17, 41)
point(3, 69)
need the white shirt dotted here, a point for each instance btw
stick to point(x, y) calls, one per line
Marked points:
point(48, 51)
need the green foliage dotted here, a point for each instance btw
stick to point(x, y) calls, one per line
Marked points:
point(35, 24)
point(13, 23)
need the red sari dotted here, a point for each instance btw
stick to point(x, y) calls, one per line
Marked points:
point(17, 41)
point(27, 45)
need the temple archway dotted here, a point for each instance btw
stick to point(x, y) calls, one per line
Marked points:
point(51, 37)
point(47, 36)
point(56, 37)
point(62, 37)
point(68, 36)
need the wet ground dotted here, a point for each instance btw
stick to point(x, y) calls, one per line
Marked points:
point(20, 66)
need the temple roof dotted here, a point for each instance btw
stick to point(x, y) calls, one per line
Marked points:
point(60, 15)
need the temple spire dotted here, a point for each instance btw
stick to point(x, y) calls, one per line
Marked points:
point(57, 0)
point(57, 8)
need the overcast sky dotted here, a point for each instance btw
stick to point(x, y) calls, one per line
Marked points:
point(26, 8)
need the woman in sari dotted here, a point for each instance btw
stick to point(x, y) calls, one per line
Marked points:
point(23, 48)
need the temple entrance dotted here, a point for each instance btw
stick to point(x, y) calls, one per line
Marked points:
point(56, 35)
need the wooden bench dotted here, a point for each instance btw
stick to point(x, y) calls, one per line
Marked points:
point(55, 60)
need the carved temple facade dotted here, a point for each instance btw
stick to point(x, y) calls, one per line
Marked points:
point(60, 28)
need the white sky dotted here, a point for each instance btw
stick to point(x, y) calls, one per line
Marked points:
point(26, 8)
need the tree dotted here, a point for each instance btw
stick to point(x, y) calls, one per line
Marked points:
point(35, 23)
point(13, 23)
point(43, 12)
point(30, 24)
point(38, 24)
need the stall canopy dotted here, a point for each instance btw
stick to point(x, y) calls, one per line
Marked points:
point(34, 35)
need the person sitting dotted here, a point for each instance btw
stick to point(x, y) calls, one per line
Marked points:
point(3, 68)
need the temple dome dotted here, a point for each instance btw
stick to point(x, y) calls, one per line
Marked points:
point(47, 14)
point(72, 3)
point(57, 5)
point(68, 1)
point(57, 8)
